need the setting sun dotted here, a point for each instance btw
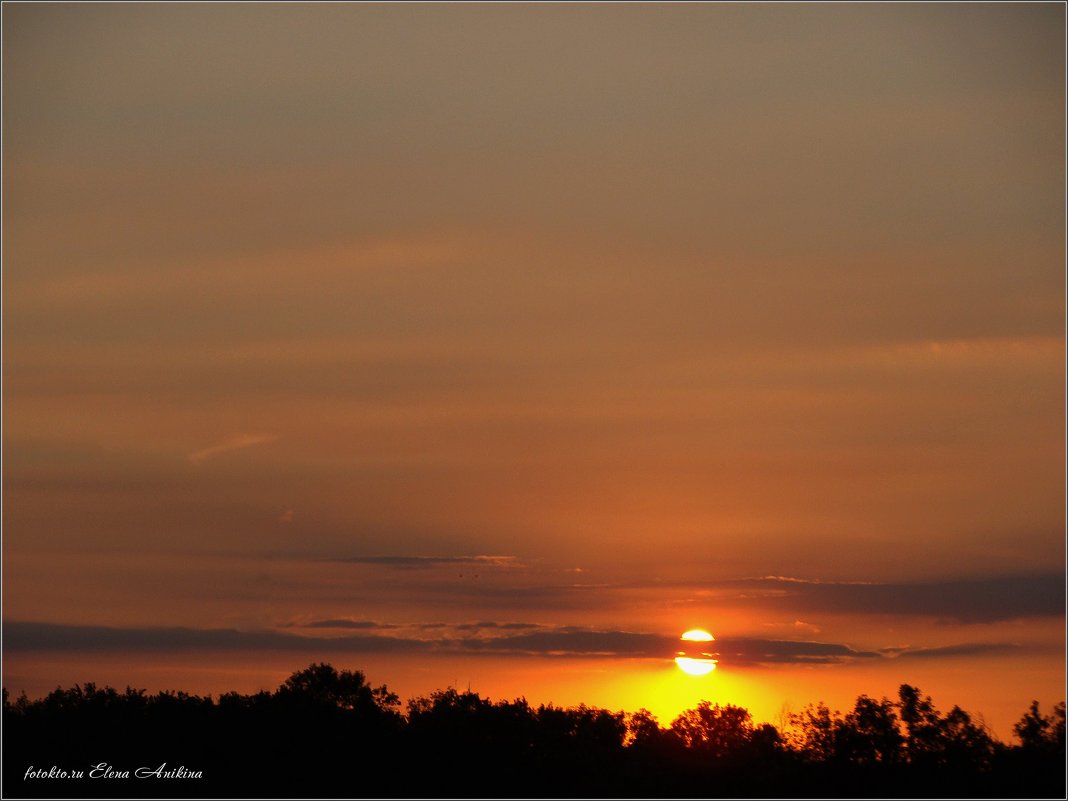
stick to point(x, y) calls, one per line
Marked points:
point(697, 635)
point(696, 663)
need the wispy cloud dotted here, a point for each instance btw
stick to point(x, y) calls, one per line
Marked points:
point(489, 624)
point(795, 580)
point(754, 651)
point(432, 561)
point(979, 600)
point(19, 636)
point(233, 444)
point(342, 623)
point(961, 649)
point(569, 641)
point(556, 642)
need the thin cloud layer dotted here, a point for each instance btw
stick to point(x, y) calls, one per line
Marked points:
point(961, 650)
point(343, 623)
point(982, 600)
point(952, 601)
point(576, 642)
point(559, 642)
point(489, 624)
point(20, 636)
point(431, 561)
point(754, 651)
point(237, 443)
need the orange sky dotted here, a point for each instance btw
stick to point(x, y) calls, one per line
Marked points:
point(748, 317)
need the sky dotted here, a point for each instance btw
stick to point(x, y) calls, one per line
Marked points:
point(498, 345)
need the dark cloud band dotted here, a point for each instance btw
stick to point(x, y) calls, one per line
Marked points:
point(573, 642)
point(984, 600)
point(429, 561)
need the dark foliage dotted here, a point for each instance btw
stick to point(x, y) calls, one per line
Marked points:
point(326, 733)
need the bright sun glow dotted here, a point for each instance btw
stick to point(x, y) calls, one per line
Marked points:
point(697, 635)
point(694, 663)
point(695, 667)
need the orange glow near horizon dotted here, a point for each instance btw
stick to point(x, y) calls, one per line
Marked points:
point(770, 694)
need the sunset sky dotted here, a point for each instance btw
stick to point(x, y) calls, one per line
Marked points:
point(497, 345)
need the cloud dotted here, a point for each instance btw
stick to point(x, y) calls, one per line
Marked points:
point(753, 651)
point(489, 624)
point(981, 600)
point(568, 641)
point(800, 604)
point(797, 625)
point(233, 444)
point(962, 649)
point(950, 601)
point(342, 623)
point(794, 580)
point(432, 561)
point(26, 636)
point(560, 642)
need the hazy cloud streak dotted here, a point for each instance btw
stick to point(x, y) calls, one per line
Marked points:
point(237, 443)
point(560, 642)
point(982, 600)
point(431, 561)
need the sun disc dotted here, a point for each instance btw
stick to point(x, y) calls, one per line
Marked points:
point(696, 660)
point(697, 635)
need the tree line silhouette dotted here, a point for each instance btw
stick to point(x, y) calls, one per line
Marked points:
point(328, 733)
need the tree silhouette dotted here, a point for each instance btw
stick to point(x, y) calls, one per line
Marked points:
point(963, 742)
point(869, 734)
point(642, 729)
point(923, 725)
point(819, 730)
point(322, 684)
point(716, 731)
point(328, 733)
point(1041, 733)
